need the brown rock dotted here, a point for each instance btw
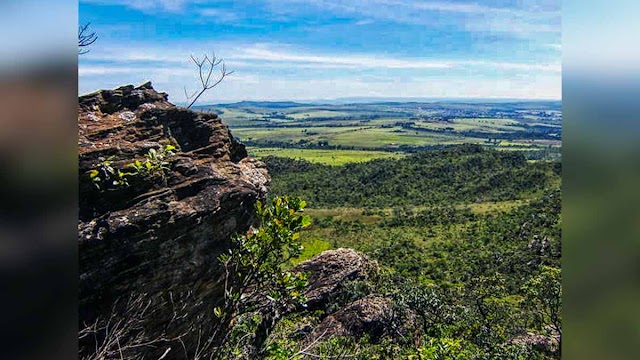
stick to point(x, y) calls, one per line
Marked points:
point(160, 235)
point(332, 268)
point(370, 315)
point(548, 343)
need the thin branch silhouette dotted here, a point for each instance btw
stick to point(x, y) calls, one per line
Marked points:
point(205, 70)
point(85, 38)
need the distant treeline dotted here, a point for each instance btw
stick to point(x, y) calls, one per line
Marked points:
point(464, 173)
point(549, 153)
point(530, 132)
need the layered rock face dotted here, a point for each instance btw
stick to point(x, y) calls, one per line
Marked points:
point(157, 235)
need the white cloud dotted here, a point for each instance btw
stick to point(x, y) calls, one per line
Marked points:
point(145, 5)
point(362, 61)
point(471, 16)
point(272, 71)
point(265, 53)
point(219, 15)
point(455, 7)
point(283, 56)
point(547, 87)
point(364, 22)
point(92, 70)
point(265, 86)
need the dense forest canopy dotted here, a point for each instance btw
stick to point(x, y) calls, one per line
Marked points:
point(465, 173)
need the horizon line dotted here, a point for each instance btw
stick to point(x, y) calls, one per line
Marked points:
point(366, 99)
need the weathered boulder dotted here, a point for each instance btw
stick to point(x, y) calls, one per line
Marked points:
point(370, 315)
point(159, 235)
point(548, 343)
point(331, 269)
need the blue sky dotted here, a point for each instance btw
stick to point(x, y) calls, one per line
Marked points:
point(327, 49)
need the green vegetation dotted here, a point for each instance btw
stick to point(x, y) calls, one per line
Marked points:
point(256, 289)
point(469, 242)
point(106, 177)
point(460, 174)
point(154, 163)
point(533, 128)
point(327, 157)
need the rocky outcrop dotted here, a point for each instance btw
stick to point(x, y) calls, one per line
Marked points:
point(370, 315)
point(549, 343)
point(161, 233)
point(150, 243)
point(329, 274)
point(331, 269)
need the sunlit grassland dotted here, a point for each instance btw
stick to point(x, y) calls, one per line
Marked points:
point(312, 246)
point(291, 134)
point(377, 137)
point(538, 142)
point(370, 238)
point(348, 214)
point(327, 157)
point(318, 114)
point(483, 124)
point(493, 206)
point(381, 133)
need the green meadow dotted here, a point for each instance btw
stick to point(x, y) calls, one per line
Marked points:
point(327, 157)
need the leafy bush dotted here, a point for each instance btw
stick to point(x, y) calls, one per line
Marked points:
point(257, 291)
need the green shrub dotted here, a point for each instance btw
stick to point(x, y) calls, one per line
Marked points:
point(257, 289)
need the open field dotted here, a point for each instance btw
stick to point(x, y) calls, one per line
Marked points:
point(293, 129)
point(389, 137)
point(318, 114)
point(290, 134)
point(327, 157)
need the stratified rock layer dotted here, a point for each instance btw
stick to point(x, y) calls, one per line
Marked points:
point(161, 235)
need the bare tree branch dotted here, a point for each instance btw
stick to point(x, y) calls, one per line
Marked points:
point(122, 335)
point(85, 38)
point(205, 66)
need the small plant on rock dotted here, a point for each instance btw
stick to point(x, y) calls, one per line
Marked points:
point(105, 176)
point(155, 163)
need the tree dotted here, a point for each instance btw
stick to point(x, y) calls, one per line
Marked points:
point(543, 298)
point(85, 38)
point(205, 70)
point(257, 291)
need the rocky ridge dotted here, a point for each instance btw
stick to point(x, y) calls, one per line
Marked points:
point(151, 244)
point(159, 233)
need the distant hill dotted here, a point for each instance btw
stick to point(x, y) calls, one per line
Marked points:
point(392, 100)
point(384, 101)
point(260, 104)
